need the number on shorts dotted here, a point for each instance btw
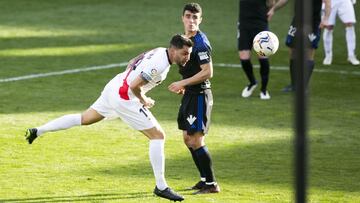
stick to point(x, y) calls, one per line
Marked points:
point(142, 110)
point(292, 31)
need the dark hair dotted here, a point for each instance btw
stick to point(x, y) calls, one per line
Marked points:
point(193, 8)
point(179, 41)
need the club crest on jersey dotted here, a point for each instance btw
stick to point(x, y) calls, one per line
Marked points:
point(153, 71)
point(203, 55)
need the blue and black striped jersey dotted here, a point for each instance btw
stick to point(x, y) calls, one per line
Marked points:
point(201, 54)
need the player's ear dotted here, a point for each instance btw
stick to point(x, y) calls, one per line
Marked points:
point(200, 20)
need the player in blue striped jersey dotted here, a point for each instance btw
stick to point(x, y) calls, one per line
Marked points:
point(196, 104)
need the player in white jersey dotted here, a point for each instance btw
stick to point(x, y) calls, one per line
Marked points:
point(345, 10)
point(124, 97)
point(151, 67)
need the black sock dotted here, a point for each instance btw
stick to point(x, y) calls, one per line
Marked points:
point(205, 163)
point(264, 73)
point(196, 160)
point(292, 73)
point(310, 67)
point(248, 69)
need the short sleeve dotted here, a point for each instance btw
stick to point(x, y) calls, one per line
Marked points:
point(203, 49)
point(153, 66)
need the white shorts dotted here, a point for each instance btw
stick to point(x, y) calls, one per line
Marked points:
point(132, 112)
point(344, 9)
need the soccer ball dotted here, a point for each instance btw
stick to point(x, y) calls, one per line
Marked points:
point(265, 43)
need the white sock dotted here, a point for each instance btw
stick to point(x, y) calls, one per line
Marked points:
point(157, 159)
point(61, 123)
point(328, 42)
point(350, 40)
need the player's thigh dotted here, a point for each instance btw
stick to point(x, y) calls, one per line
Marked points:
point(346, 12)
point(90, 116)
point(195, 140)
point(102, 106)
point(133, 113)
point(244, 39)
point(290, 37)
point(208, 102)
point(332, 16)
point(181, 119)
point(196, 112)
point(154, 133)
point(313, 38)
point(187, 116)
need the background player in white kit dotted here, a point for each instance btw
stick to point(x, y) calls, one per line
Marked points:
point(345, 10)
point(124, 97)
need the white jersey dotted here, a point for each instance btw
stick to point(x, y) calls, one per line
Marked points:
point(153, 67)
point(117, 99)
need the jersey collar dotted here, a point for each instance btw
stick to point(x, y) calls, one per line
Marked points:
point(168, 58)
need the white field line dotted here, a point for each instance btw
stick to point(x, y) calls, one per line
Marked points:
point(286, 68)
point(92, 68)
point(69, 71)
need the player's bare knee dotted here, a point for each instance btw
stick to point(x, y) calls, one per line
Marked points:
point(154, 133)
point(90, 116)
point(160, 135)
point(330, 27)
point(197, 144)
point(244, 56)
point(188, 142)
point(198, 140)
point(192, 142)
point(157, 137)
point(84, 121)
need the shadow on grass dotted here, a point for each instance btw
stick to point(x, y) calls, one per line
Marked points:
point(77, 198)
point(269, 164)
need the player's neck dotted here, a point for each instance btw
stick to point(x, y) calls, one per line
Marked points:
point(189, 34)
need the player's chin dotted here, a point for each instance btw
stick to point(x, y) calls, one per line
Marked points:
point(181, 64)
point(192, 28)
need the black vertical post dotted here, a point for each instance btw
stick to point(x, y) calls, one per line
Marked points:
point(303, 15)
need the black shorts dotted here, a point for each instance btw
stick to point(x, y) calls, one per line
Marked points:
point(246, 36)
point(313, 38)
point(194, 112)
